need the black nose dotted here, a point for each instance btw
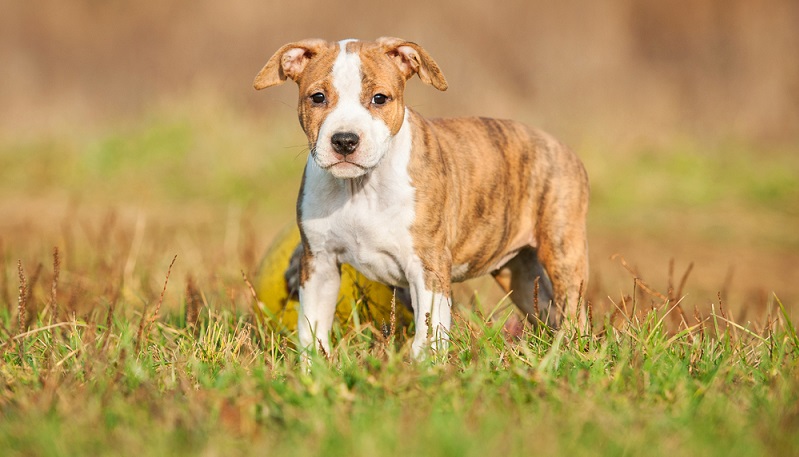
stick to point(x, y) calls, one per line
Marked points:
point(344, 142)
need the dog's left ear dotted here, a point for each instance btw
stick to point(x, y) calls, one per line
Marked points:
point(412, 59)
point(288, 62)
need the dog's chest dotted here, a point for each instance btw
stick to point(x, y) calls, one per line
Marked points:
point(365, 226)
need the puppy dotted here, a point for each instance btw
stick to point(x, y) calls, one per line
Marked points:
point(421, 203)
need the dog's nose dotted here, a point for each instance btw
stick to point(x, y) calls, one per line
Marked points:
point(345, 142)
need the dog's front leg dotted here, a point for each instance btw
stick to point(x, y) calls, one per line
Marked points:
point(318, 296)
point(432, 314)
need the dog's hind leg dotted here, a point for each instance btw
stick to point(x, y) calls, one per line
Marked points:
point(563, 252)
point(568, 270)
point(518, 276)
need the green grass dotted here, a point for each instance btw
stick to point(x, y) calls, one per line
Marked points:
point(110, 383)
point(731, 190)
point(694, 175)
point(179, 156)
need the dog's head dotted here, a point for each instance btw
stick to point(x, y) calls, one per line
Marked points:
point(351, 95)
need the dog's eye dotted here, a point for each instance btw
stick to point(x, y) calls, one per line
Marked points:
point(318, 98)
point(379, 99)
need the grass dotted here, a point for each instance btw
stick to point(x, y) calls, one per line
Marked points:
point(107, 348)
point(708, 188)
point(179, 156)
point(109, 383)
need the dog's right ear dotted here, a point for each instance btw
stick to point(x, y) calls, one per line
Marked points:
point(288, 62)
point(412, 59)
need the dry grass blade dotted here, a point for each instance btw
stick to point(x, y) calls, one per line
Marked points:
point(48, 327)
point(322, 350)
point(428, 324)
point(535, 297)
point(163, 291)
point(52, 308)
point(4, 294)
point(742, 328)
point(109, 319)
point(651, 291)
point(22, 297)
point(145, 324)
point(193, 302)
point(637, 280)
point(249, 285)
point(700, 322)
point(21, 306)
point(684, 279)
point(392, 329)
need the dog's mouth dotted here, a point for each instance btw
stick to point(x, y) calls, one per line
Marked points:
point(345, 163)
point(345, 169)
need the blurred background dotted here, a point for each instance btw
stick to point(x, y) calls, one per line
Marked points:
point(686, 113)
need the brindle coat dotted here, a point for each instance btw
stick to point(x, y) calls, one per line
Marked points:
point(512, 197)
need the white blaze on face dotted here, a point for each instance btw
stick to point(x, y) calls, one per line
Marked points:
point(350, 116)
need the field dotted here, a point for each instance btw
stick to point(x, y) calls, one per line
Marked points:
point(141, 186)
point(118, 352)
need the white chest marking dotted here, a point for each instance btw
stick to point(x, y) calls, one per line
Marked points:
point(366, 221)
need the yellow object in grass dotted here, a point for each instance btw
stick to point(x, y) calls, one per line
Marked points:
point(360, 300)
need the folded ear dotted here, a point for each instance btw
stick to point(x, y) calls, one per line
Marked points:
point(412, 59)
point(288, 62)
